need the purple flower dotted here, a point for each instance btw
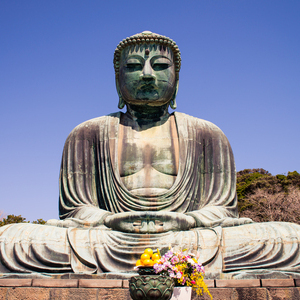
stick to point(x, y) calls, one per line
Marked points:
point(169, 254)
point(199, 268)
point(158, 268)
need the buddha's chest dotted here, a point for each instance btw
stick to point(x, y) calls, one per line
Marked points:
point(154, 148)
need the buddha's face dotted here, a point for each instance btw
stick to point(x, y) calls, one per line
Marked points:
point(147, 75)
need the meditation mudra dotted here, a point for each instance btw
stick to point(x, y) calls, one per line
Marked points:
point(148, 178)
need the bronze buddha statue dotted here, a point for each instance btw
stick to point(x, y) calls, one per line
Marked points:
point(148, 178)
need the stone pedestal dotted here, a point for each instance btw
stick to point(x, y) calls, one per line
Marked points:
point(117, 289)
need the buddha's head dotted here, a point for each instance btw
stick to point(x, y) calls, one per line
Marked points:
point(147, 70)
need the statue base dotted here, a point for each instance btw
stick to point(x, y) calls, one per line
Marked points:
point(118, 289)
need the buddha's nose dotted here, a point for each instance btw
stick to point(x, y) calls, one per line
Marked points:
point(147, 74)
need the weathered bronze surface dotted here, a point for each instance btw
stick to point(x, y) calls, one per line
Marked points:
point(147, 178)
point(151, 287)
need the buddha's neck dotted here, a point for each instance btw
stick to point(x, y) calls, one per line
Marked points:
point(141, 113)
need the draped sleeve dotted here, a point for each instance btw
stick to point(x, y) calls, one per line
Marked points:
point(80, 197)
point(210, 169)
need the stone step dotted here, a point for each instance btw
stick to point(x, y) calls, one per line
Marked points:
point(117, 289)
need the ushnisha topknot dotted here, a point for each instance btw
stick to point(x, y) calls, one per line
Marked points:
point(147, 37)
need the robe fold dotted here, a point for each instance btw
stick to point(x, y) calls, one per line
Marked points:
point(91, 188)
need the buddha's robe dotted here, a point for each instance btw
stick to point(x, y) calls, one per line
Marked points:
point(90, 188)
point(90, 183)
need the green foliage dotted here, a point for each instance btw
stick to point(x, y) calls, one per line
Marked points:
point(294, 178)
point(39, 221)
point(10, 219)
point(248, 180)
point(281, 177)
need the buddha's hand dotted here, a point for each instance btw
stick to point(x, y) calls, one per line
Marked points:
point(230, 222)
point(224, 222)
point(149, 222)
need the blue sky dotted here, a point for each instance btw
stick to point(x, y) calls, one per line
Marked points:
point(240, 70)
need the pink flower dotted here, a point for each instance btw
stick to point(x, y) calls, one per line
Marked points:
point(171, 274)
point(174, 259)
point(174, 268)
point(163, 259)
point(176, 264)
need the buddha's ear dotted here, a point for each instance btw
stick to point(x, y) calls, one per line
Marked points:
point(173, 104)
point(121, 101)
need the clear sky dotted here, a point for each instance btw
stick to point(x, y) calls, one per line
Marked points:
point(240, 70)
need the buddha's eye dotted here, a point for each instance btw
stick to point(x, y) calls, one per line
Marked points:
point(134, 66)
point(160, 63)
point(160, 66)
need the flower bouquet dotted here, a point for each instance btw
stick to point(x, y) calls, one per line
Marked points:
point(184, 269)
point(149, 285)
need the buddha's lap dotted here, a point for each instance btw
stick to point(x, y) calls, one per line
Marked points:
point(251, 246)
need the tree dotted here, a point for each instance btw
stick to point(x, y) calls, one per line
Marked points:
point(263, 197)
point(10, 219)
point(280, 206)
point(39, 221)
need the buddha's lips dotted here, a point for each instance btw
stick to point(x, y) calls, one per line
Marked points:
point(147, 87)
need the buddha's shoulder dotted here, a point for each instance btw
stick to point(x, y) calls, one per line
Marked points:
point(94, 126)
point(197, 123)
point(99, 121)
